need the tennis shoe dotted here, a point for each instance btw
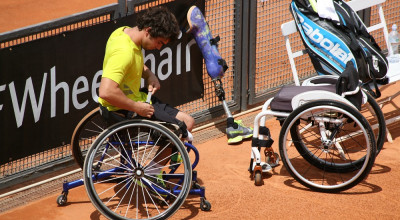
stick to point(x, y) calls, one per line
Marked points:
point(176, 160)
point(236, 135)
point(160, 179)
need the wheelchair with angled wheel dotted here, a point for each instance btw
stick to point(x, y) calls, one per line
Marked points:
point(325, 143)
point(134, 169)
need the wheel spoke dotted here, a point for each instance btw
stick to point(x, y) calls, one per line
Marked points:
point(125, 180)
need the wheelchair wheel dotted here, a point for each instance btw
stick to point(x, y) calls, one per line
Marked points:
point(327, 146)
point(129, 172)
point(373, 113)
point(85, 133)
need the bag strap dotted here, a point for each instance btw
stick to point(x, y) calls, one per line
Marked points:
point(356, 24)
point(377, 92)
point(306, 5)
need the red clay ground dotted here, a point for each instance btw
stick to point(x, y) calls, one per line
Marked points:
point(223, 168)
point(21, 13)
point(223, 171)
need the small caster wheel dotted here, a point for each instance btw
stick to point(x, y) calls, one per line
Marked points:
point(258, 178)
point(205, 205)
point(269, 161)
point(62, 200)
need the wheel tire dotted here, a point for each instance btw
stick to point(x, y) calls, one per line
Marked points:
point(355, 165)
point(86, 131)
point(310, 162)
point(380, 135)
point(205, 205)
point(62, 200)
point(128, 149)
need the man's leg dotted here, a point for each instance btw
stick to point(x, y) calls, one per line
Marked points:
point(187, 119)
point(164, 112)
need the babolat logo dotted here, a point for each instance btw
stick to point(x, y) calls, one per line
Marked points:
point(333, 49)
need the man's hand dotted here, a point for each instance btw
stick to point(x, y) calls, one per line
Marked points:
point(151, 79)
point(153, 83)
point(144, 109)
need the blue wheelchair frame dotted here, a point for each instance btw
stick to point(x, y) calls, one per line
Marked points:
point(197, 190)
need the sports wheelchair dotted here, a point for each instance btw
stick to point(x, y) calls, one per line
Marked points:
point(135, 169)
point(325, 143)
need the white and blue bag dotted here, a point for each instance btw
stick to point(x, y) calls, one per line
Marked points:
point(333, 35)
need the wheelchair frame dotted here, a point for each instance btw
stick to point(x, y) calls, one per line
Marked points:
point(325, 163)
point(159, 194)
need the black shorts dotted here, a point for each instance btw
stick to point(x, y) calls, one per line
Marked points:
point(162, 112)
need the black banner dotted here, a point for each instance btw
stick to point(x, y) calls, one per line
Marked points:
point(48, 85)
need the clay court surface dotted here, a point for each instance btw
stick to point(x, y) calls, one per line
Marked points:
point(233, 195)
point(223, 168)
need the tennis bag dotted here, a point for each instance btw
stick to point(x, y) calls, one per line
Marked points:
point(331, 44)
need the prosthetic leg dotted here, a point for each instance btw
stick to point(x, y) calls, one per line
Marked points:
point(216, 67)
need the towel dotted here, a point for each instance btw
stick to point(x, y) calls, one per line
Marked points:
point(326, 9)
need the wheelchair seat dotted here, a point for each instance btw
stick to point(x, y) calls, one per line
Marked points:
point(346, 85)
point(282, 100)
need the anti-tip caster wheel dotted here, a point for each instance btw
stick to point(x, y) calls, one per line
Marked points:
point(62, 200)
point(205, 205)
point(258, 178)
point(269, 161)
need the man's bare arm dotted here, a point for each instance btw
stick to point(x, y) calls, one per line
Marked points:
point(110, 91)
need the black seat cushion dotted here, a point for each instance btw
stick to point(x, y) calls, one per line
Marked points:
point(282, 100)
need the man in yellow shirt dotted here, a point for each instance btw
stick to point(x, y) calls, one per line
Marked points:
point(123, 69)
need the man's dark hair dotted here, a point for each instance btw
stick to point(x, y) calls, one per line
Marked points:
point(161, 21)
